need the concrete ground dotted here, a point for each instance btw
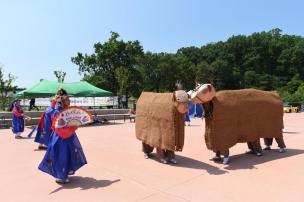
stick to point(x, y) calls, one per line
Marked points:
point(117, 171)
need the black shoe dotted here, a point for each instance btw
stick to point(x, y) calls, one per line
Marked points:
point(42, 147)
point(62, 181)
point(215, 158)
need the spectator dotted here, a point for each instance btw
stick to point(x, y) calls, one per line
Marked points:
point(32, 105)
point(124, 101)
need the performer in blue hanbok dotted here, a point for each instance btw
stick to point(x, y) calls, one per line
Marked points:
point(187, 119)
point(64, 154)
point(18, 119)
point(44, 128)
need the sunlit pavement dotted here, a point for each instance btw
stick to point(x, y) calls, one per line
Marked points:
point(117, 171)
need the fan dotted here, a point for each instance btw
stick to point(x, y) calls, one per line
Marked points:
point(72, 116)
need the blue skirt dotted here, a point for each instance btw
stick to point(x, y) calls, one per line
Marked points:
point(195, 110)
point(199, 110)
point(187, 118)
point(191, 112)
point(17, 125)
point(63, 157)
point(42, 137)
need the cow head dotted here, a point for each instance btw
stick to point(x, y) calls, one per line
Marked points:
point(181, 101)
point(202, 93)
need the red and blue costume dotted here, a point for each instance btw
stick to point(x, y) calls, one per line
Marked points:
point(195, 110)
point(18, 120)
point(44, 128)
point(187, 117)
point(64, 154)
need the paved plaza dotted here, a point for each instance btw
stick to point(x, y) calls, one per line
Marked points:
point(117, 171)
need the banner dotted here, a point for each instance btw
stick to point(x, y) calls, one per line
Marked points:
point(79, 101)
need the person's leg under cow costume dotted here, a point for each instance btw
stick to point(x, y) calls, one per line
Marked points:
point(254, 148)
point(218, 157)
point(280, 142)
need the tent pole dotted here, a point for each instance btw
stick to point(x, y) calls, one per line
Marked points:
point(114, 109)
point(24, 110)
point(24, 102)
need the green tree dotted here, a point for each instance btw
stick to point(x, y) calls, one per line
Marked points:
point(250, 79)
point(6, 87)
point(204, 73)
point(265, 60)
point(128, 81)
point(292, 90)
point(193, 54)
point(299, 94)
point(150, 72)
point(60, 75)
point(297, 59)
point(106, 59)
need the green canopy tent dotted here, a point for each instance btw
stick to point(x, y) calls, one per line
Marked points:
point(47, 88)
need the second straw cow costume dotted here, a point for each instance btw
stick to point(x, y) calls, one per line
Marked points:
point(236, 116)
point(160, 123)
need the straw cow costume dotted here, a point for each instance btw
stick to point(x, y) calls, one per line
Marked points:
point(238, 116)
point(160, 123)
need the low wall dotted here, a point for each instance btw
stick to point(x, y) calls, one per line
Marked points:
point(109, 114)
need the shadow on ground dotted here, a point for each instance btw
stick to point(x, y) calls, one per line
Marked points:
point(186, 162)
point(103, 124)
point(290, 132)
point(193, 125)
point(248, 161)
point(85, 183)
point(40, 150)
point(26, 138)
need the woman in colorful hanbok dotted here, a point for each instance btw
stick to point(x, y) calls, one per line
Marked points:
point(44, 128)
point(64, 154)
point(18, 119)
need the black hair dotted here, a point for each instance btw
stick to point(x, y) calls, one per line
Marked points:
point(62, 92)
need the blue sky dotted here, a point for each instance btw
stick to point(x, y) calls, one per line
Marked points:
point(38, 37)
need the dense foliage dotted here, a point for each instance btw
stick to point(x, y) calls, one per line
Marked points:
point(264, 60)
point(6, 87)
